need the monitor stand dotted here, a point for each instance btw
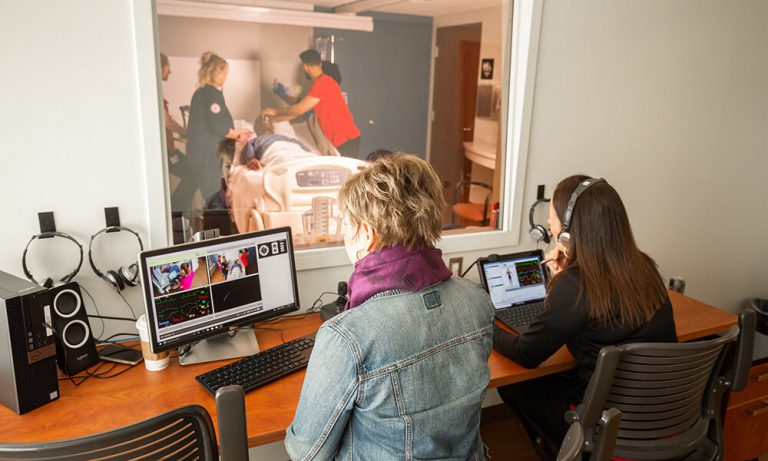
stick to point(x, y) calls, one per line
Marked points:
point(221, 347)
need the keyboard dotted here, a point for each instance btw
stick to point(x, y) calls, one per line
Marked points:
point(520, 315)
point(261, 368)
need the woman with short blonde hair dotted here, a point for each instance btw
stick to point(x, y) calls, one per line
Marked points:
point(401, 197)
point(404, 369)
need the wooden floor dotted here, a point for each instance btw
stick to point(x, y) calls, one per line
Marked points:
point(505, 436)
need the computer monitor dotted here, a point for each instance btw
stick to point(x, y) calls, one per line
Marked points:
point(197, 291)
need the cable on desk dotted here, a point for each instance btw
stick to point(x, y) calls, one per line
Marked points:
point(315, 307)
point(468, 268)
point(280, 330)
point(129, 306)
point(95, 306)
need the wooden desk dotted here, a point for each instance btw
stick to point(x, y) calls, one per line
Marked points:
point(100, 405)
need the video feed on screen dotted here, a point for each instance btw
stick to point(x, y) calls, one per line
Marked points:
point(233, 264)
point(183, 307)
point(178, 276)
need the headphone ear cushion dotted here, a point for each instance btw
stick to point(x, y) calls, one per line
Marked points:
point(538, 233)
point(129, 274)
point(113, 278)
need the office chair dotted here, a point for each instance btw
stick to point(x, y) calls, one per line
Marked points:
point(605, 438)
point(475, 212)
point(183, 433)
point(184, 114)
point(670, 394)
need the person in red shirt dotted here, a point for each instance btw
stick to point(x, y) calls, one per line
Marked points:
point(325, 98)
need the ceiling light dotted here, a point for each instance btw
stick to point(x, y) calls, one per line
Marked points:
point(191, 9)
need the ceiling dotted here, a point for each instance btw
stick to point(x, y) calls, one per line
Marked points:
point(433, 8)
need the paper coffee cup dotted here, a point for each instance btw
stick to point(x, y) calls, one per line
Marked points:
point(153, 362)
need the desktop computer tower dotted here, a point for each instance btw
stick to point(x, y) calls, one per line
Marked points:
point(28, 377)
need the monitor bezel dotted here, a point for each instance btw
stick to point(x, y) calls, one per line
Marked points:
point(493, 259)
point(259, 317)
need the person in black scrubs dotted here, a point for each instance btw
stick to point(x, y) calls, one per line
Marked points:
point(209, 123)
point(604, 291)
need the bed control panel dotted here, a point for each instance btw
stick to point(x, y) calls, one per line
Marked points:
point(321, 177)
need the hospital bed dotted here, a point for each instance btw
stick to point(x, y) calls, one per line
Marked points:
point(283, 191)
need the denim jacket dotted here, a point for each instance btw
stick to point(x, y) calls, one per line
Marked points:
point(400, 377)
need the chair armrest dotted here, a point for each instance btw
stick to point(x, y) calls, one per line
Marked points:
point(609, 430)
point(233, 433)
point(570, 450)
point(738, 375)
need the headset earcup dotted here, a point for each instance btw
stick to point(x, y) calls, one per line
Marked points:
point(538, 233)
point(113, 278)
point(129, 274)
point(564, 238)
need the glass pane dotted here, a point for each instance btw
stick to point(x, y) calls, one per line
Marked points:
point(260, 135)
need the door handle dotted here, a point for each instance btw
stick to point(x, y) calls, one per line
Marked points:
point(467, 128)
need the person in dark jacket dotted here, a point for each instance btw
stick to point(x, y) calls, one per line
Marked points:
point(209, 123)
point(604, 291)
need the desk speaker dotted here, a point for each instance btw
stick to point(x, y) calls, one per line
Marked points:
point(75, 346)
point(28, 377)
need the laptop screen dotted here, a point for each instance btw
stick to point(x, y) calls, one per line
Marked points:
point(515, 280)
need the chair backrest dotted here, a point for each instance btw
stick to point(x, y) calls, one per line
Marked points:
point(183, 433)
point(668, 394)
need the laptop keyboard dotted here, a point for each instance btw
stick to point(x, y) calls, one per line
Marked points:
point(520, 315)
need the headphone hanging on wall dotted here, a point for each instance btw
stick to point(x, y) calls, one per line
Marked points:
point(48, 282)
point(537, 231)
point(124, 276)
point(564, 236)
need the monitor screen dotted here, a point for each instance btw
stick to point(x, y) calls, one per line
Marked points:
point(516, 280)
point(197, 290)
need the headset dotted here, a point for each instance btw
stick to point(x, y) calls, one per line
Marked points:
point(125, 276)
point(48, 283)
point(537, 231)
point(564, 236)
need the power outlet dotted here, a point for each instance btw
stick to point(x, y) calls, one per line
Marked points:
point(455, 265)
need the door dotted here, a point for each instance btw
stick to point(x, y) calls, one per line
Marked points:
point(453, 102)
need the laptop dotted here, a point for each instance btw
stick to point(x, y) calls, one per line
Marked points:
point(517, 284)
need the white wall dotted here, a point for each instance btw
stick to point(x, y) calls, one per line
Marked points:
point(72, 138)
point(668, 100)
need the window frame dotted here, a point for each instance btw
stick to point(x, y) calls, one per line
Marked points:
point(522, 32)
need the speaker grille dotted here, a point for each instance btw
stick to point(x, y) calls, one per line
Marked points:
point(34, 382)
point(66, 303)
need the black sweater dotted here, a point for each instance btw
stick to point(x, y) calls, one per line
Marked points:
point(566, 321)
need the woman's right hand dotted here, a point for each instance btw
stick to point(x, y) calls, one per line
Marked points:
point(557, 260)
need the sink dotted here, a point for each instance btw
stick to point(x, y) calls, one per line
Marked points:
point(482, 153)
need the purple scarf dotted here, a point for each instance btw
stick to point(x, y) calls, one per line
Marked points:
point(395, 268)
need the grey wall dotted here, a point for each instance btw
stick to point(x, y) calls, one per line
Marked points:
point(386, 75)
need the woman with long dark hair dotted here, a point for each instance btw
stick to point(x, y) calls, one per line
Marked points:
point(604, 291)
